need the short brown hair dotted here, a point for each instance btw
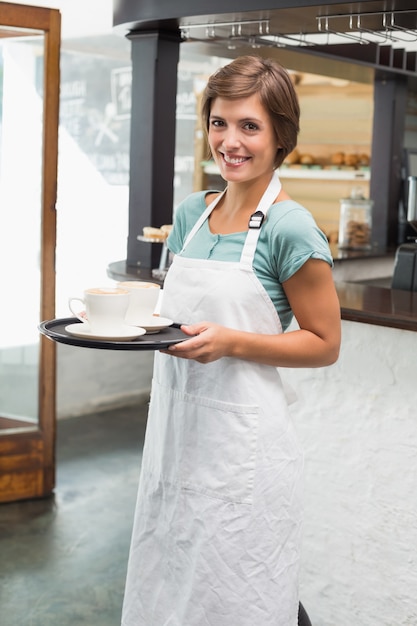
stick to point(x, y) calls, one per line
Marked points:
point(248, 75)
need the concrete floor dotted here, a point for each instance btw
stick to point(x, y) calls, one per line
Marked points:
point(63, 560)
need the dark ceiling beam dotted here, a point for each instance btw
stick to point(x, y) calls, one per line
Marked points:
point(133, 13)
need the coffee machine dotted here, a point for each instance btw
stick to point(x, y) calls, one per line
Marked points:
point(405, 266)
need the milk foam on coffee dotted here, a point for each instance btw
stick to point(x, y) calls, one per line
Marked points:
point(106, 291)
point(137, 284)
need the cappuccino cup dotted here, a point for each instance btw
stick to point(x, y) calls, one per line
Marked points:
point(143, 300)
point(105, 308)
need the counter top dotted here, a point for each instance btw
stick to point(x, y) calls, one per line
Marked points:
point(359, 302)
point(382, 306)
point(340, 254)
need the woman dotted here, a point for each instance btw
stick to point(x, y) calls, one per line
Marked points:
point(217, 528)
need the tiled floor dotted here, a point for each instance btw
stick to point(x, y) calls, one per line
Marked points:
point(63, 560)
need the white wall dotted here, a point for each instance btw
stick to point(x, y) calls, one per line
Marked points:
point(357, 421)
point(89, 380)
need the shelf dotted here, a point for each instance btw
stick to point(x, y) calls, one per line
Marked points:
point(151, 239)
point(322, 174)
point(309, 173)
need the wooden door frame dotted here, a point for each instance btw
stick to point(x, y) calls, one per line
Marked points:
point(27, 456)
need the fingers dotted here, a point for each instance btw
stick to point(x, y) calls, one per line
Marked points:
point(186, 348)
point(199, 347)
point(195, 329)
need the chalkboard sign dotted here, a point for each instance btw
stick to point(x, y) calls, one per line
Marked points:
point(95, 111)
point(96, 107)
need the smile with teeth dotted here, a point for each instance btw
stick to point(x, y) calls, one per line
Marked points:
point(234, 160)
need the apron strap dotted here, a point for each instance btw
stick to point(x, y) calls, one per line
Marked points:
point(203, 217)
point(255, 222)
point(257, 219)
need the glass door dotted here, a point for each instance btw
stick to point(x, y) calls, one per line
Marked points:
point(29, 104)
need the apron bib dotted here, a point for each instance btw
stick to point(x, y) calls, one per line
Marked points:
point(217, 524)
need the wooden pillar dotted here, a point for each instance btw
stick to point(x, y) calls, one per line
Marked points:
point(155, 57)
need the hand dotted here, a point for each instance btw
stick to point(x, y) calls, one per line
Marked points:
point(208, 343)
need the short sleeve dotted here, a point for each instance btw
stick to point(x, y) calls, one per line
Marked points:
point(296, 239)
point(176, 236)
point(186, 214)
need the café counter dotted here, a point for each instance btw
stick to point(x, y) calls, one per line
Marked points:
point(363, 282)
point(382, 306)
point(356, 421)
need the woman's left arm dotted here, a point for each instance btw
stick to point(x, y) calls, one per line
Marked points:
point(313, 299)
point(314, 302)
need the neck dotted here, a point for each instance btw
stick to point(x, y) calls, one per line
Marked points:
point(237, 205)
point(245, 195)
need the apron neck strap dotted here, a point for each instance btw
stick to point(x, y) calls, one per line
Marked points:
point(257, 219)
point(203, 217)
point(255, 222)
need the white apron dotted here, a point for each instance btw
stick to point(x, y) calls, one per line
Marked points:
point(217, 525)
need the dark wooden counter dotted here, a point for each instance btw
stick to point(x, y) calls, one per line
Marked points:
point(368, 304)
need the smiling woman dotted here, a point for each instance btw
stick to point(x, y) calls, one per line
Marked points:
point(221, 472)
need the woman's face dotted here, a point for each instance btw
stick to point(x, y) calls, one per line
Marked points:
point(242, 139)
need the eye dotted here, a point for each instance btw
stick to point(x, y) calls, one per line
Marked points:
point(251, 126)
point(216, 123)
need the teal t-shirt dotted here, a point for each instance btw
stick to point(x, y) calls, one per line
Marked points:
point(289, 237)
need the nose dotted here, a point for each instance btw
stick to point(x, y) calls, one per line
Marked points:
point(231, 137)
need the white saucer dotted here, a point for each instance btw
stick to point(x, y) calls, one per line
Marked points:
point(153, 324)
point(126, 332)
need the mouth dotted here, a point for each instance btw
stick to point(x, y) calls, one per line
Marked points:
point(234, 160)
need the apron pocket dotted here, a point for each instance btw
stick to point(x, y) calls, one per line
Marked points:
point(213, 444)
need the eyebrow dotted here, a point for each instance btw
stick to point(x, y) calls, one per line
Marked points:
point(244, 119)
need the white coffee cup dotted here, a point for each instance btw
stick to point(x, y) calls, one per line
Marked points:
point(143, 300)
point(105, 308)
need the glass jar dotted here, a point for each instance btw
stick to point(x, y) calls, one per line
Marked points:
point(355, 223)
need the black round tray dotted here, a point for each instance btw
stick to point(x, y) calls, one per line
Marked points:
point(55, 330)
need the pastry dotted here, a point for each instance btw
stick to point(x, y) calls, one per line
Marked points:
point(292, 158)
point(363, 160)
point(154, 233)
point(351, 160)
point(338, 158)
point(166, 228)
point(306, 159)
